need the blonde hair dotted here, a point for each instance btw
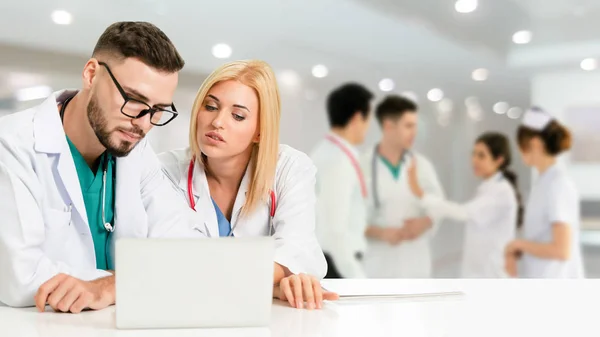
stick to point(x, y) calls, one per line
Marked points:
point(259, 76)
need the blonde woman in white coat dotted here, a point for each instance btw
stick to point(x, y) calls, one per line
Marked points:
point(491, 217)
point(244, 183)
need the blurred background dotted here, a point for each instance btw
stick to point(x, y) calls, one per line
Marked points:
point(472, 66)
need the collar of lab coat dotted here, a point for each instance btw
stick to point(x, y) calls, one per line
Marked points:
point(491, 180)
point(48, 130)
point(203, 198)
point(347, 144)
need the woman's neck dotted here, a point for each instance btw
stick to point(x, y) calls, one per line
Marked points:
point(228, 172)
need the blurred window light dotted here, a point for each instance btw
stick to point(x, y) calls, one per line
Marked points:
point(320, 71)
point(465, 6)
point(32, 93)
point(514, 112)
point(589, 64)
point(221, 51)
point(501, 108)
point(480, 74)
point(435, 95)
point(62, 17)
point(522, 37)
point(387, 84)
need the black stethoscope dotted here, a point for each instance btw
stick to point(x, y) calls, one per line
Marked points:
point(374, 172)
point(107, 225)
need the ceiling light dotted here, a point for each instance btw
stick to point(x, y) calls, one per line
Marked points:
point(514, 112)
point(465, 6)
point(31, 93)
point(289, 78)
point(522, 37)
point(386, 84)
point(501, 107)
point(589, 64)
point(62, 17)
point(435, 95)
point(480, 74)
point(221, 51)
point(410, 95)
point(445, 107)
point(320, 71)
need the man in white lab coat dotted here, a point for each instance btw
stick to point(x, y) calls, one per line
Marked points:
point(341, 185)
point(76, 174)
point(399, 230)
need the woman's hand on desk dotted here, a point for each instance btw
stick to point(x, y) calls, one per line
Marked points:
point(297, 289)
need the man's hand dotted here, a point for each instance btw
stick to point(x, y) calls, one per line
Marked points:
point(510, 264)
point(297, 289)
point(393, 235)
point(414, 228)
point(68, 294)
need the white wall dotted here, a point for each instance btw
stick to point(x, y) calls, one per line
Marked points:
point(556, 92)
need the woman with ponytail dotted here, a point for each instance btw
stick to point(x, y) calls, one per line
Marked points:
point(491, 217)
point(550, 247)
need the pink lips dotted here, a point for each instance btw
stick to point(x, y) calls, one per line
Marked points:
point(215, 136)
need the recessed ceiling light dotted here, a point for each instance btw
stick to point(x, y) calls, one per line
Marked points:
point(445, 107)
point(320, 71)
point(387, 84)
point(31, 93)
point(62, 17)
point(465, 6)
point(501, 108)
point(435, 95)
point(589, 64)
point(522, 37)
point(221, 51)
point(289, 78)
point(514, 112)
point(480, 74)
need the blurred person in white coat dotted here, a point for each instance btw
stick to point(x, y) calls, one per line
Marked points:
point(341, 185)
point(244, 183)
point(76, 174)
point(400, 229)
point(550, 246)
point(491, 217)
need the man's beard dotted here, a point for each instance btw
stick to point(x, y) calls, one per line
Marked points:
point(99, 124)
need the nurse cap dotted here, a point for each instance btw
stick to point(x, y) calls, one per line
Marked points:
point(537, 119)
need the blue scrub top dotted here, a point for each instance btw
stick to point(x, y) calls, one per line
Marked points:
point(224, 225)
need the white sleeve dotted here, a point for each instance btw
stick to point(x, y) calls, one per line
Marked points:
point(562, 205)
point(23, 265)
point(168, 213)
point(296, 245)
point(431, 185)
point(335, 198)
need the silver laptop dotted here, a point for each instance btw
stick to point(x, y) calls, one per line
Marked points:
point(194, 283)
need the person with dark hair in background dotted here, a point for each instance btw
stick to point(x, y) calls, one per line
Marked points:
point(550, 247)
point(492, 216)
point(341, 187)
point(400, 229)
point(77, 174)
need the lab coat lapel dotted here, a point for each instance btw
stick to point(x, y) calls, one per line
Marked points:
point(240, 199)
point(202, 196)
point(50, 138)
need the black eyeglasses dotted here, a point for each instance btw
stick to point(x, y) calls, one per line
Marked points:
point(134, 108)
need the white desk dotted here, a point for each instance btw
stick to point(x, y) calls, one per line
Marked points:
point(489, 308)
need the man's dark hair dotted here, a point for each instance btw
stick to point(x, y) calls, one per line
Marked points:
point(394, 107)
point(141, 40)
point(345, 101)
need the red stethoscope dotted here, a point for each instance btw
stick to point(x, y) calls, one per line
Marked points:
point(355, 164)
point(193, 203)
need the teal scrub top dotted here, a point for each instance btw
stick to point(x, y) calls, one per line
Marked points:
point(91, 188)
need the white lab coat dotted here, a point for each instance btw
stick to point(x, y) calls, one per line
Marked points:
point(491, 221)
point(45, 229)
point(408, 259)
point(341, 208)
point(296, 245)
point(553, 199)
